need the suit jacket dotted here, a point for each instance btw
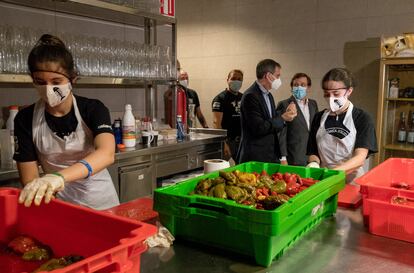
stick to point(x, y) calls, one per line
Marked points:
point(293, 139)
point(259, 139)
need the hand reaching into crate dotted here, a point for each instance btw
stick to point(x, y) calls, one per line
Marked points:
point(39, 188)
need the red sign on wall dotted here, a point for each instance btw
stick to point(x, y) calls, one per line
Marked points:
point(167, 7)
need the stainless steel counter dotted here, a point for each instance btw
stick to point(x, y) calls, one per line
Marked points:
point(200, 137)
point(339, 244)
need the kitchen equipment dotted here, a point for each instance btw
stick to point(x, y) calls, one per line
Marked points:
point(212, 165)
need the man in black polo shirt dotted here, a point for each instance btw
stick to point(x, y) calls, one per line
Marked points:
point(226, 112)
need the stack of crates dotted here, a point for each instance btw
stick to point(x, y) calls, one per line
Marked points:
point(262, 234)
point(382, 216)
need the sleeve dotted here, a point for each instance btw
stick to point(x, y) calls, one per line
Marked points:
point(217, 104)
point(25, 150)
point(252, 111)
point(282, 134)
point(366, 136)
point(312, 148)
point(98, 118)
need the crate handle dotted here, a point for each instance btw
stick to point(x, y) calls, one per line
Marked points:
point(209, 207)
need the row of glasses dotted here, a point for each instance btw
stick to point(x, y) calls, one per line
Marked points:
point(114, 58)
point(93, 56)
point(15, 46)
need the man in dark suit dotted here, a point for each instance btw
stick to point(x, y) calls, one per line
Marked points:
point(293, 139)
point(260, 123)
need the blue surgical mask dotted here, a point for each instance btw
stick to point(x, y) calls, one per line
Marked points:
point(235, 85)
point(299, 92)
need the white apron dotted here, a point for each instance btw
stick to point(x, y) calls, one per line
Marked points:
point(55, 153)
point(332, 150)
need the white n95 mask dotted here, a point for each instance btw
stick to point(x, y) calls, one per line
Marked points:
point(184, 83)
point(276, 84)
point(337, 104)
point(54, 94)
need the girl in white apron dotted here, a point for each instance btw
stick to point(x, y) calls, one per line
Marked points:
point(342, 136)
point(75, 164)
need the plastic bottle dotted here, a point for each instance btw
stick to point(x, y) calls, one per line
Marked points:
point(180, 129)
point(117, 127)
point(128, 127)
point(13, 109)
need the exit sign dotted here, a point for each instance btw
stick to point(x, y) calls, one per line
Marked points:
point(167, 8)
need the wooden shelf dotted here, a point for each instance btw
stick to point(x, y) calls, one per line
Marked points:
point(400, 99)
point(400, 147)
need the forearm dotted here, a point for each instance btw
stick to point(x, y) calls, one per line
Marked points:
point(356, 161)
point(201, 119)
point(98, 160)
point(314, 158)
point(102, 157)
point(217, 118)
point(28, 171)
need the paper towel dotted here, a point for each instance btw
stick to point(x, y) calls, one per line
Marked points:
point(211, 165)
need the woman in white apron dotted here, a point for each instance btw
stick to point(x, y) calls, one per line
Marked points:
point(72, 155)
point(343, 136)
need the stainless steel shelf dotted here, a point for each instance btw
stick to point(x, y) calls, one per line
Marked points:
point(90, 80)
point(96, 9)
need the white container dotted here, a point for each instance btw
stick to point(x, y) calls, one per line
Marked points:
point(6, 149)
point(128, 128)
point(10, 121)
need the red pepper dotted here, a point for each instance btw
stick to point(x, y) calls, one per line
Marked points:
point(256, 174)
point(308, 181)
point(264, 173)
point(286, 177)
point(292, 188)
point(22, 244)
point(265, 192)
point(277, 176)
point(274, 193)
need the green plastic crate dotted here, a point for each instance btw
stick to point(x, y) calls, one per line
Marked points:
point(261, 234)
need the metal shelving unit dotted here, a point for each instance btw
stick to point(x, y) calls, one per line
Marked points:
point(109, 12)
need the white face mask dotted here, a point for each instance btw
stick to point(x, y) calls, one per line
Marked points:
point(276, 84)
point(337, 104)
point(54, 94)
point(184, 83)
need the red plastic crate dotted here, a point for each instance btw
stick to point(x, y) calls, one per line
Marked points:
point(376, 184)
point(139, 209)
point(391, 220)
point(109, 243)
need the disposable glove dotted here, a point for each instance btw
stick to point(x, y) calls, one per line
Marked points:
point(39, 188)
point(313, 164)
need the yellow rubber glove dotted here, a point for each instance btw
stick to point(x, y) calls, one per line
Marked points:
point(39, 188)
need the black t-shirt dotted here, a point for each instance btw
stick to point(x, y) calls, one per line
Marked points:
point(93, 112)
point(364, 125)
point(192, 97)
point(229, 104)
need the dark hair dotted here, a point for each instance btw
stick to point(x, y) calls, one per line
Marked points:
point(339, 75)
point(234, 71)
point(50, 48)
point(301, 75)
point(265, 66)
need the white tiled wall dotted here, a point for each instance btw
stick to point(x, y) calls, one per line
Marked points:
point(311, 36)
